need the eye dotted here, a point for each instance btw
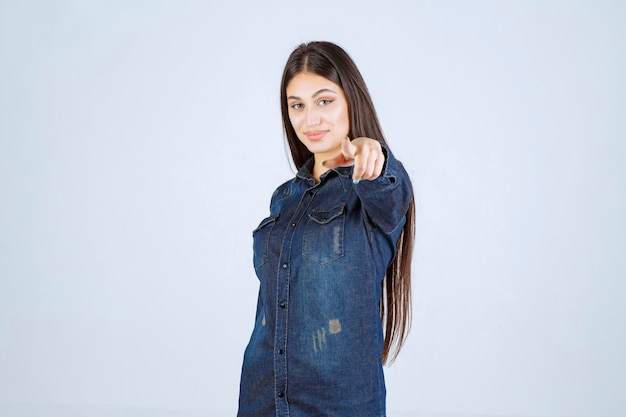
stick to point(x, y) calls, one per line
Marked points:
point(325, 102)
point(296, 106)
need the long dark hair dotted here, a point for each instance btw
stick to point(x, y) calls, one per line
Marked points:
point(333, 63)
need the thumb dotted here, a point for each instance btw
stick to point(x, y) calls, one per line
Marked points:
point(344, 159)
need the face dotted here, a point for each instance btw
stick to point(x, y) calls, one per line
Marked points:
point(318, 111)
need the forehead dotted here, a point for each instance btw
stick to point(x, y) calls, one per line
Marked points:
point(306, 84)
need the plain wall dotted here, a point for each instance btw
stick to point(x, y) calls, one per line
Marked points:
point(140, 143)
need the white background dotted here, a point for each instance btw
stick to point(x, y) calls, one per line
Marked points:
point(140, 143)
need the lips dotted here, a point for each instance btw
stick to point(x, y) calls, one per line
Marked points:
point(315, 135)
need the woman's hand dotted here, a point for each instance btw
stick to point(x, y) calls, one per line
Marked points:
point(365, 154)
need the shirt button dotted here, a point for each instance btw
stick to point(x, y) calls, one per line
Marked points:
point(281, 394)
point(283, 305)
point(280, 351)
point(285, 266)
point(293, 225)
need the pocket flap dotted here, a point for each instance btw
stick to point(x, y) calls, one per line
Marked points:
point(265, 222)
point(323, 216)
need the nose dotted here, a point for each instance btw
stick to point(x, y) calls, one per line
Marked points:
point(313, 116)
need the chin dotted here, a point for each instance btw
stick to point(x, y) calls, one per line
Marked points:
point(323, 147)
point(318, 149)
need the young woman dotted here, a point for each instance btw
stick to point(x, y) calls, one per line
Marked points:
point(334, 255)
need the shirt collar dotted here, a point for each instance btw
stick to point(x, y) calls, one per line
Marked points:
point(305, 171)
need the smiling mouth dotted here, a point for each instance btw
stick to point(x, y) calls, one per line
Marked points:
point(317, 135)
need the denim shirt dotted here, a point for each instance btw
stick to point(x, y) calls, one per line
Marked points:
point(321, 256)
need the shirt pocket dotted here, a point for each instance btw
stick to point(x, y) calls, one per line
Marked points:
point(261, 240)
point(323, 239)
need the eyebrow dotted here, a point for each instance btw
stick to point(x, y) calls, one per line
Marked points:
point(317, 93)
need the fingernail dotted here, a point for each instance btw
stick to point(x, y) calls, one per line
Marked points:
point(355, 181)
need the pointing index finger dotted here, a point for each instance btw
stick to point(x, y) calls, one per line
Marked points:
point(347, 148)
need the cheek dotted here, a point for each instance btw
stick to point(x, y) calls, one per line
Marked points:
point(338, 113)
point(341, 116)
point(295, 120)
point(296, 124)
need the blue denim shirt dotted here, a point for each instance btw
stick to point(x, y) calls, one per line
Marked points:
point(321, 256)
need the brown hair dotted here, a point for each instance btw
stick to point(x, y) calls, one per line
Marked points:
point(332, 62)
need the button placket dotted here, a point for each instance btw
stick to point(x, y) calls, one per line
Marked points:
point(282, 312)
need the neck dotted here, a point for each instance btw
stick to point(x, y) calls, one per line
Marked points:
point(318, 169)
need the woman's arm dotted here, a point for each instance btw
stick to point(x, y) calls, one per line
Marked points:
point(380, 181)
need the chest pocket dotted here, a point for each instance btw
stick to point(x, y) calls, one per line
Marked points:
point(323, 239)
point(261, 236)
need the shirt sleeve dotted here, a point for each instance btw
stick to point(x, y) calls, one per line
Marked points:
point(386, 199)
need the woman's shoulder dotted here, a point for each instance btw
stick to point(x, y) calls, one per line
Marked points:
point(285, 190)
